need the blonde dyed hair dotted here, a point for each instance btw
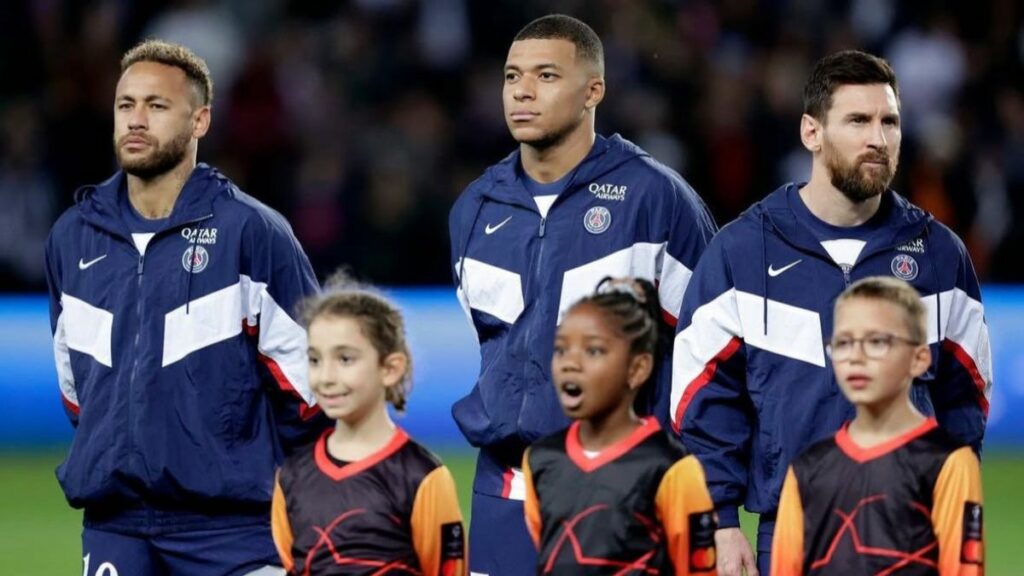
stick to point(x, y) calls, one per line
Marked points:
point(171, 54)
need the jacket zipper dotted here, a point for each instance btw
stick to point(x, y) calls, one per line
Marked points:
point(534, 281)
point(138, 333)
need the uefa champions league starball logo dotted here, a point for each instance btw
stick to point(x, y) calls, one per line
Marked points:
point(195, 259)
point(597, 219)
point(904, 267)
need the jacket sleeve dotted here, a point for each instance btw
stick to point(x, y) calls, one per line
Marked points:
point(689, 227)
point(685, 511)
point(710, 407)
point(458, 231)
point(962, 385)
point(61, 353)
point(438, 534)
point(957, 515)
point(788, 540)
point(279, 278)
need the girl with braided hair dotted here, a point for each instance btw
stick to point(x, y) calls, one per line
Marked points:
point(614, 491)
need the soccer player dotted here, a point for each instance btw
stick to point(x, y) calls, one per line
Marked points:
point(891, 492)
point(365, 498)
point(179, 363)
point(534, 234)
point(614, 492)
point(751, 387)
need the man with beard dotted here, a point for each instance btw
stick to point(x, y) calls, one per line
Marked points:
point(534, 234)
point(179, 362)
point(751, 386)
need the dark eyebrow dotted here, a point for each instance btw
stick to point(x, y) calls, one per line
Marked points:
point(542, 66)
point(149, 98)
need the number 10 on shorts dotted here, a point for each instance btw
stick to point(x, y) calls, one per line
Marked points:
point(105, 569)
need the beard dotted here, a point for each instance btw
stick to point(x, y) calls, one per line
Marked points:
point(162, 157)
point(857, 185)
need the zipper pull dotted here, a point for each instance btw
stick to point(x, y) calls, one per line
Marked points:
point(141, 259)
point(543, 222)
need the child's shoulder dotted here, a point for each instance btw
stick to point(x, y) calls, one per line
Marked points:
point(554, 441)
point(933, 448)
point(940, 440)
point(668, 442)
point(306, 452)
point(822, 454)
point(420, 455)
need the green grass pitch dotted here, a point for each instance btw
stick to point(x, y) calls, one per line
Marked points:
point(40, 535)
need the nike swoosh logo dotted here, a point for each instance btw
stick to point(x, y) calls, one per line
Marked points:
point(82, 264)
point(773, 272)
point(492, 229)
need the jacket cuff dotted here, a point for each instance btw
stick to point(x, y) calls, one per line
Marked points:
point(728, 516)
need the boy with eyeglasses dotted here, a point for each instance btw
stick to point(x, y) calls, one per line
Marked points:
point(891, 491)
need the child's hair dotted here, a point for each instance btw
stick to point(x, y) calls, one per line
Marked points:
point(896, 292)
point(380, 320)
point(633, 304)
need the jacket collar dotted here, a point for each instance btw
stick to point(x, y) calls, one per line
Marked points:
point(902, 221)
point(99, 203)
point(605, 155)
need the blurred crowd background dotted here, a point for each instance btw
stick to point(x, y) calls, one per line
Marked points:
point(362, 121)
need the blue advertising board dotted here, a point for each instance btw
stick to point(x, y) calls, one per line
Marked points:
point(445, 358)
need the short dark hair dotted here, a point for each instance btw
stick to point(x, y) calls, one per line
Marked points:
point(839, 69)
point(561, 27)
point(171, 54)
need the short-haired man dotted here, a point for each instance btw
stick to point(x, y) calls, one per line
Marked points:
point(751, 385)
point(534, 234)
point(180, 365)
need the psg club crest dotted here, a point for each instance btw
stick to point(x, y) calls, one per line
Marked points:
point(597, 220)
point(195, 259)
point(904, 267)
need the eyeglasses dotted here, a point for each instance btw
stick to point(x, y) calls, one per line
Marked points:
point(874, 346)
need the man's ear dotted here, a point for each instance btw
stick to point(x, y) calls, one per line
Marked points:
point(811, 133)
point(201, 122)
point(595, 92)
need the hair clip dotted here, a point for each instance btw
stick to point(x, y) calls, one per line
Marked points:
point(628, 286)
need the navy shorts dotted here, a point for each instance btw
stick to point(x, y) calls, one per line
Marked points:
point(236, 551)
point(499, 544)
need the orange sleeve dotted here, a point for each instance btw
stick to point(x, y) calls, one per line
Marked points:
point(788, 541)
point(438, 534)
point(956, 515)
point(280, 528)
point(531, 506)
point(685, 510)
